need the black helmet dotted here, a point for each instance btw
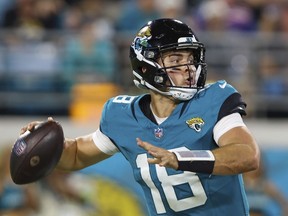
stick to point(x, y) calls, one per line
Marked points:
point(152, 40)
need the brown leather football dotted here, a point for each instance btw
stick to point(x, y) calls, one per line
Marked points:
point(35, 154)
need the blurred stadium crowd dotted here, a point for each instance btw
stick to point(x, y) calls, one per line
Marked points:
point(48, 47)
point(66, 57)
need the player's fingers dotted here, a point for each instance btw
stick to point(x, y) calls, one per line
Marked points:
point(148, 146)
point(145, 145)
point(160, 161)
point(166, 159)
point(23, 130)
point(153, 160)
point(158, 153)
point(26, 127)
point(29, 127)
point(140, 143)
point(154, 154)
point(50, 118)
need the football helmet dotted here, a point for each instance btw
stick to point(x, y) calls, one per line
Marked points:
point(154, 39)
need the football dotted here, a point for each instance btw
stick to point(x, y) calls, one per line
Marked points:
point(36, 153)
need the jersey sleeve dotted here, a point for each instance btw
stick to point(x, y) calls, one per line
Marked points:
point(227, 123)
point(233, 104)
point(101, 135)
point(104, 143)
point(231, 108)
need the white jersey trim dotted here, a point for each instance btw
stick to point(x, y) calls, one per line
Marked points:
point(104, 143)
point(226, 123)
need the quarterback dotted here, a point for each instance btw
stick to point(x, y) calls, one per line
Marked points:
point(185, 140)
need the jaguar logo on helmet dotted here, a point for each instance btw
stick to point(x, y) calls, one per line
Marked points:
point(142, 38)
point(144, 32)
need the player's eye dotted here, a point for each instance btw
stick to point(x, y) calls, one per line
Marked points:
point(191, 60)
point(174, 60)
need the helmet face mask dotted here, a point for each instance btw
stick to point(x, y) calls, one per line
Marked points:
point(146, 54)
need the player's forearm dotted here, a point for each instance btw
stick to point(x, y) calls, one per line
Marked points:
point(235, 159)
point(80, 153)
point(68, 157)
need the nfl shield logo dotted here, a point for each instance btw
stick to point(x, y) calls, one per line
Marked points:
point(158, 132)
point(19, 147)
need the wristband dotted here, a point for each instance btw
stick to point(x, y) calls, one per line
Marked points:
point(198, 161)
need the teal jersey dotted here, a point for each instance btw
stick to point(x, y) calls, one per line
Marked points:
point(189, 127)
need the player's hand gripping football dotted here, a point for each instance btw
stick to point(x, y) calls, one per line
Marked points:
point(162, 157)
point(31, 126)
point(37, 151)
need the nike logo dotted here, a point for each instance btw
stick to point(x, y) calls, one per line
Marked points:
point(223, 85)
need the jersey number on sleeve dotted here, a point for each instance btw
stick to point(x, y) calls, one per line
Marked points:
point(168, 182)
point(123, 99)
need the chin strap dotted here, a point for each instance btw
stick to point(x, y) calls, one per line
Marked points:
point(182, 93)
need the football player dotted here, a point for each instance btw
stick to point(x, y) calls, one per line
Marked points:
point(185, 140)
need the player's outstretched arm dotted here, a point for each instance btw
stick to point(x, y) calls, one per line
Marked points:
point(238, 152)
point(78, 153)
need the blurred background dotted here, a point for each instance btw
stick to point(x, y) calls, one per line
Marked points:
point(65, 58)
